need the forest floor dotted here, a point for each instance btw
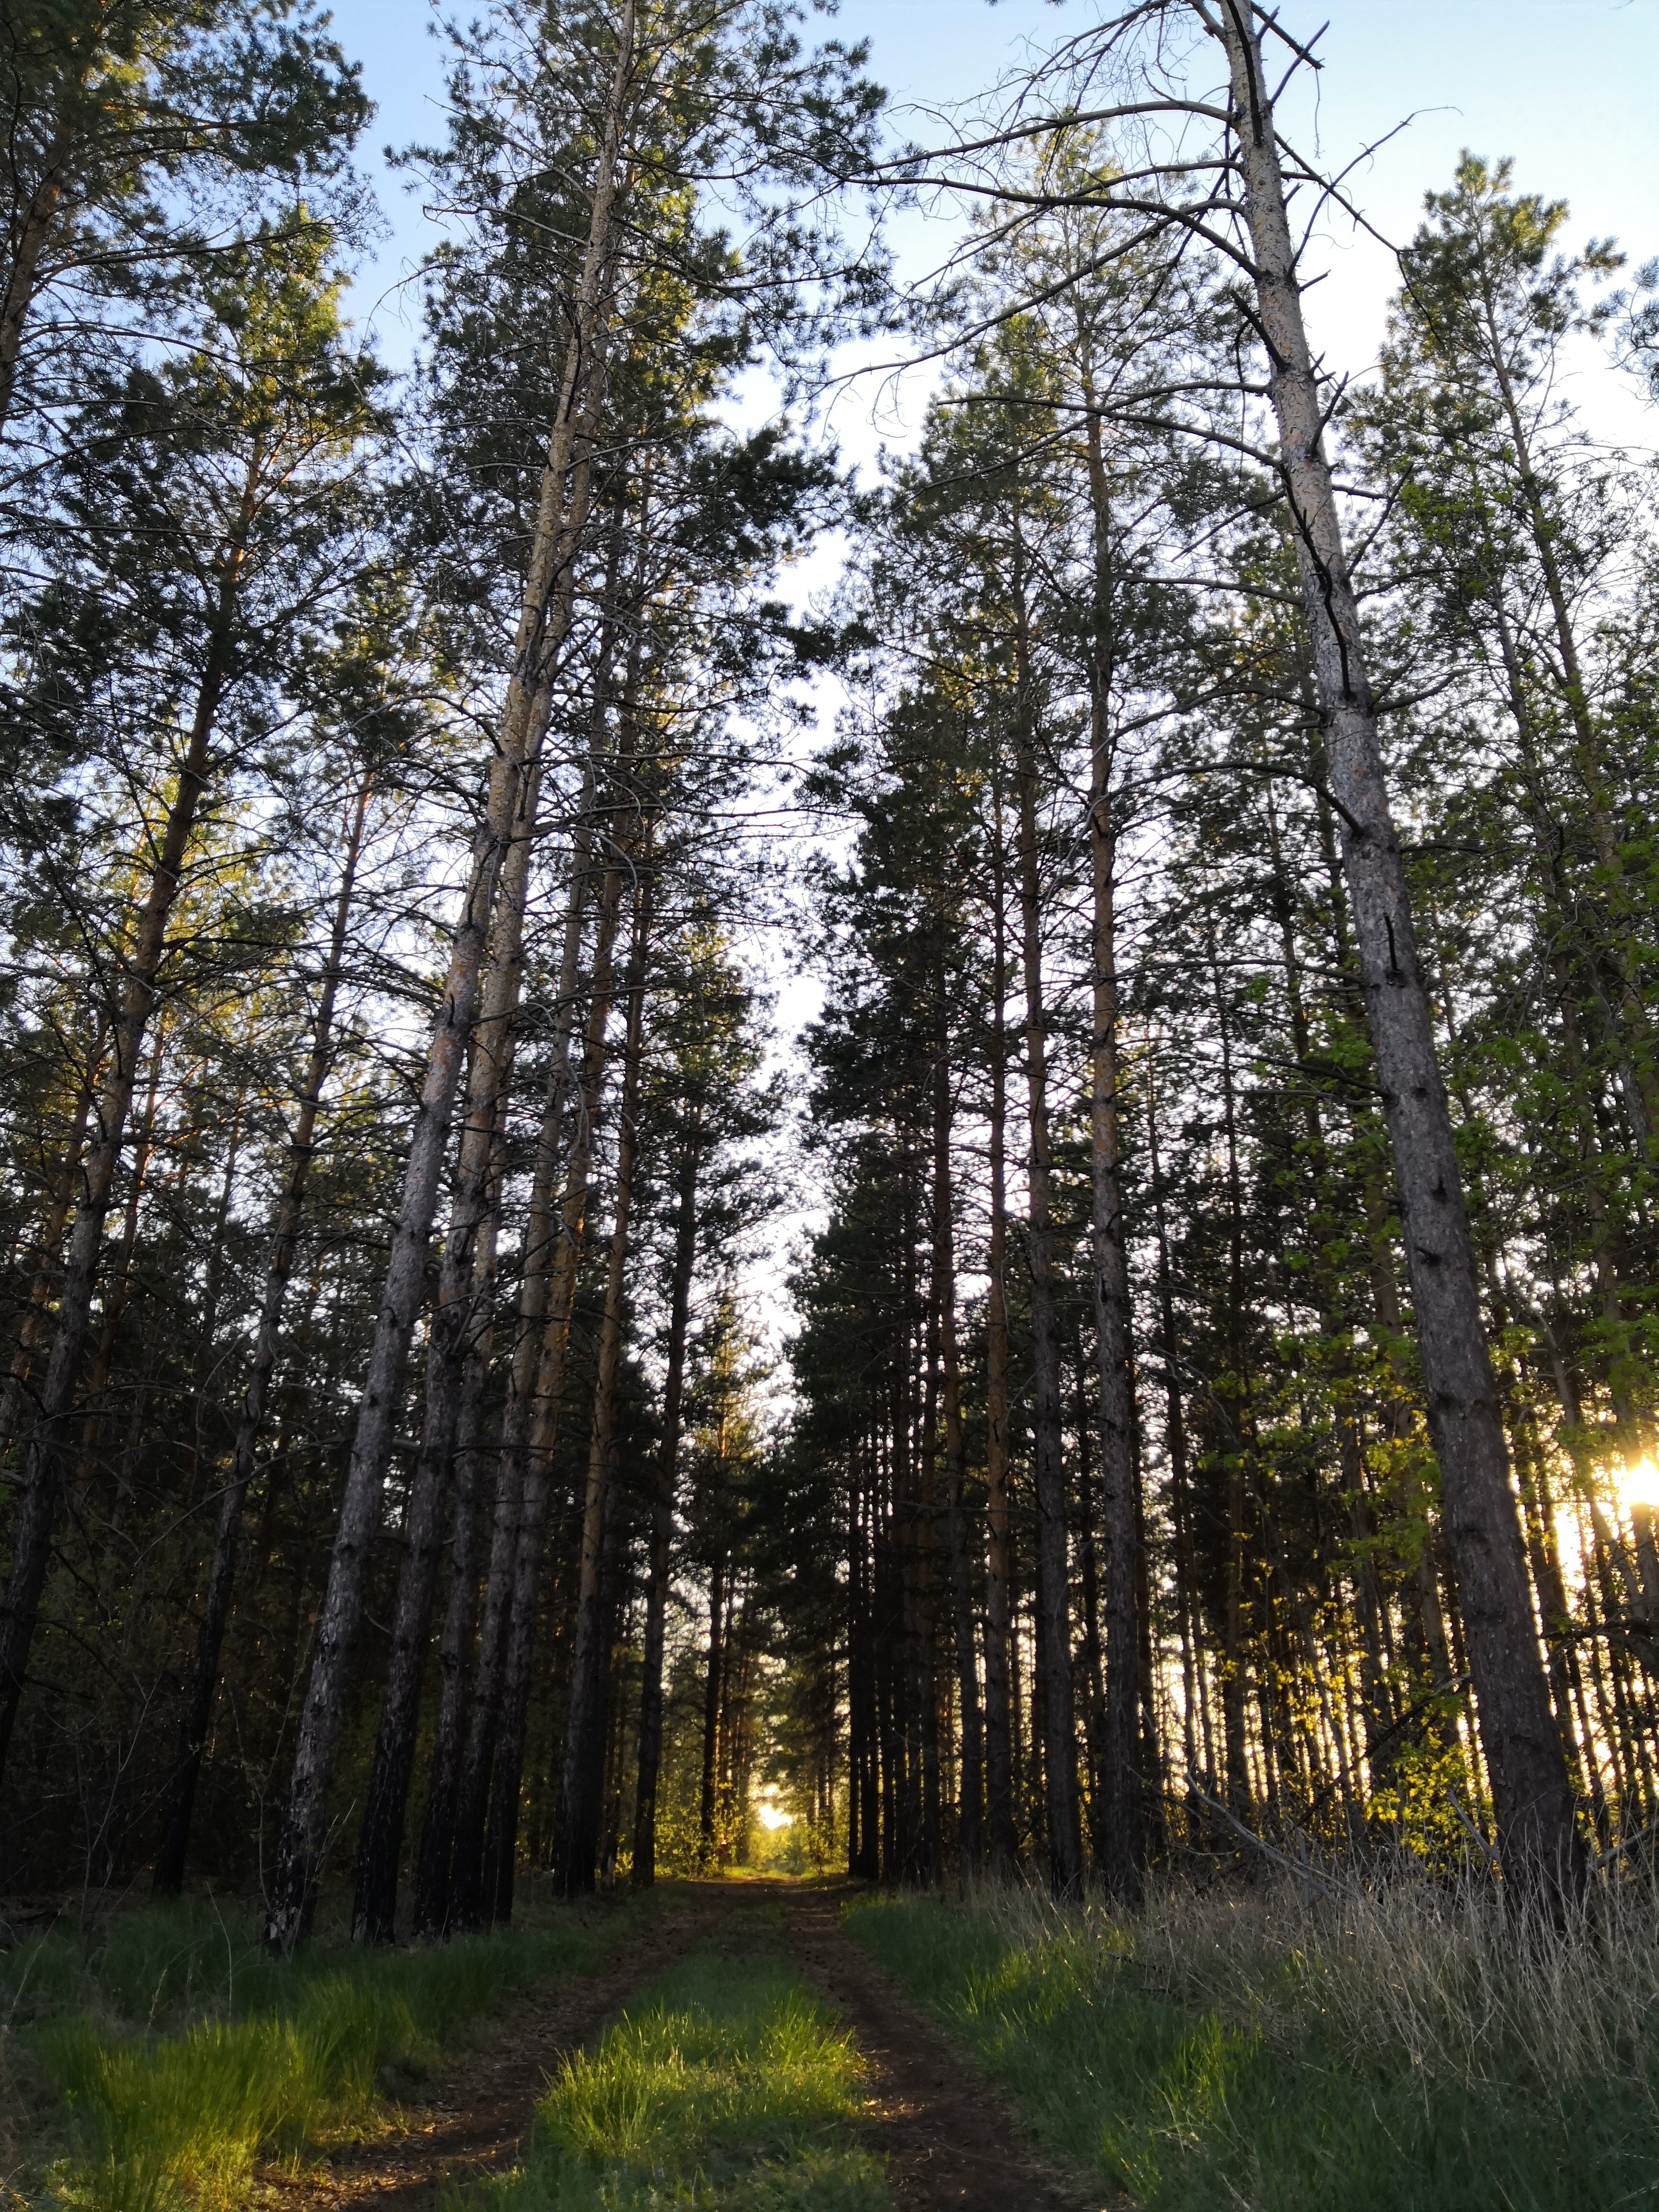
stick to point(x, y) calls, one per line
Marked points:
point(944, 2137)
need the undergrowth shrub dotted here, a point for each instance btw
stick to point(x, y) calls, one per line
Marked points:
point(1411, 2049)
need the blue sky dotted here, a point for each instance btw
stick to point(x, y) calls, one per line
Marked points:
point(1569, 87)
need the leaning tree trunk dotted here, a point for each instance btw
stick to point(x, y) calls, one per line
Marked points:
point(46, 1460)
point(1538, 1838)
point(467, 1274)
point(449, 1870)
point(1059, 1716)
point(662, 1520)
point(545, 610)
point(202, 1686)
point(1119, 1825)
point(499, 1768)
point(583, 1787)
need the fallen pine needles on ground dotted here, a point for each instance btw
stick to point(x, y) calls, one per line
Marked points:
point(1409, 2049)
point(163, 2054)
point(723, 2088)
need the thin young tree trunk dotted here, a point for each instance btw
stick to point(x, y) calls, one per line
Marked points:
point(1538, 1839)
point(543, 617)
point(581, 1793)
point(1234, 1400)
point(998, 1730)
point(662, 1517)
point(1053, 1576)
point(971, 1791)
point(201, 1690)
point(930, 1863)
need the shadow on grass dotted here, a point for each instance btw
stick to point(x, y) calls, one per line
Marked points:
point(169, 2053)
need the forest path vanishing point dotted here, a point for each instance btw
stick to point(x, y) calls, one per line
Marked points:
point(944, 2135)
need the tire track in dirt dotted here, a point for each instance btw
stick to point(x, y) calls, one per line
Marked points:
point(482, 2102)
point(950, 2143)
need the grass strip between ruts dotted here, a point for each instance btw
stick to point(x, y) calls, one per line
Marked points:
point(723, 2088)
point(1261, 2100)
point(182, 2056)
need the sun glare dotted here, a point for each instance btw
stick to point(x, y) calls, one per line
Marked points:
point(1638, 1484)
point(774, 1816)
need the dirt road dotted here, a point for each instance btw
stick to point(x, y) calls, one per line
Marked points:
point(948, 2145)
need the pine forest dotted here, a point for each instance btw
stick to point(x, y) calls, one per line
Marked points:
point(827, 1256)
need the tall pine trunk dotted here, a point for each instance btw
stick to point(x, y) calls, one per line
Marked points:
point(202, 1687)
point(449, 1868)
point(970, 1789)
point(1120, 1821)
point(1538, 1839)
point(662, 1517)
point(998, 1719)
point(46, 1460)
point(583, 1787)
point(1059, 1719)
point(543, 615)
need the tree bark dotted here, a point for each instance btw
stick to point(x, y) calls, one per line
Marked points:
point(450, 1872)
point(45, 1460)
point(1538, 1839)
point(32, 236)
point(998, 1731)
point(35, 1317)
point(662, 1519)
point(544, 616)
point(202, 1688)
point(583, 1788)
point(970, 1789)
point(1119, 1785)
point(1053, 1575)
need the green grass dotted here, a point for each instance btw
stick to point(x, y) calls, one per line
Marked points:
point(168, 2054)
point(725, 2088)
point(1394, 2057)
